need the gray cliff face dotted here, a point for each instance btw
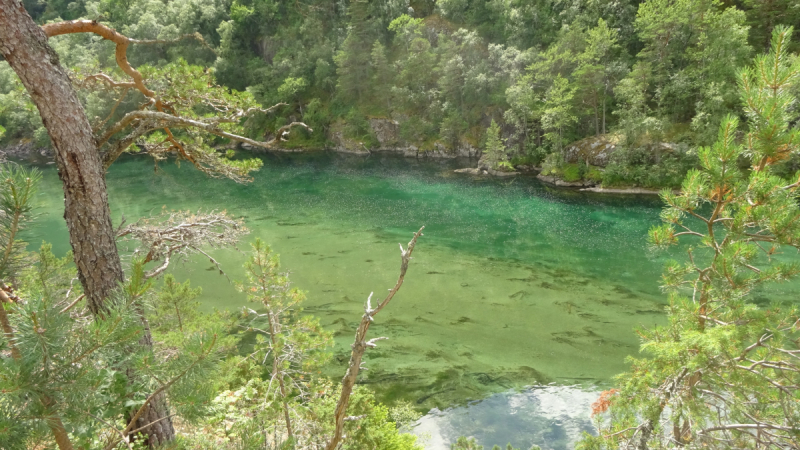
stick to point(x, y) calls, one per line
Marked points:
point(27, 151)
point(387, 132)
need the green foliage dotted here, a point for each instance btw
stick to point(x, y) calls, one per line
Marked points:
point(292, 346)
point(403, 413)
point(64, 370)
point(240, 419)
point(554, 71)
point(494, 152)
point(571, 172)
point(638, 166)
point(552, 164)
point(557, 112)
point(17, 187)
point(175, 303)
point(50, 277)
point(685, 71)
point(593, 174)
point(763, 17)
point(192, 93)
point(73, 367)
point(464, 443)
point(724, 364)
point(60, 364)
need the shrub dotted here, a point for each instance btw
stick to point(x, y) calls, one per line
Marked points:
point(571, 172)
point(593, 174)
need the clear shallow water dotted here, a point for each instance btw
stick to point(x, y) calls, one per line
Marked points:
point(513, 283)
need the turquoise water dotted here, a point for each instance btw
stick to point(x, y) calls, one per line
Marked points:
point(513, 284)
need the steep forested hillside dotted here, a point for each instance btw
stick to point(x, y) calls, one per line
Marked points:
point(655, 78)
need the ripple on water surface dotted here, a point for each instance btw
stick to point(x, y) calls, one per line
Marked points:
point(513, 283)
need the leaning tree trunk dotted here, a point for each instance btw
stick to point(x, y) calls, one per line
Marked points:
point(24, 45)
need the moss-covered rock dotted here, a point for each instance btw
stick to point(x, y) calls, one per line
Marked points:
point(594, 150)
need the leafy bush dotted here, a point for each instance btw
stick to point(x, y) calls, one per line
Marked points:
point(640, 167)
point(593, 174)
point(571, 172)
point(552, 164)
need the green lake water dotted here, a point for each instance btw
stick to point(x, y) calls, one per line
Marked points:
point(513, 283)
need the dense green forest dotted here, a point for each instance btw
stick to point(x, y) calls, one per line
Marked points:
point(653, 78)
point(699, 95)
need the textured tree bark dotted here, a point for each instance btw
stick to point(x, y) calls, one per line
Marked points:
point(157, 410)
point(24, 45)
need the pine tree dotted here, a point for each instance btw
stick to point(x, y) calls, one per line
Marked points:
point(494, 153)
point(724, 372)
point(292, 344)
point(176, 300)
point(381, 74)
point(353, 60)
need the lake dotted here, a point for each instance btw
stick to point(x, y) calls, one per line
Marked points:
point(514, 283)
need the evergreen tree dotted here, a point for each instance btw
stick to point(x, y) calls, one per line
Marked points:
point(353, 59)
point(17, 188)
point(176, 301)
point(381, 75)
point(294, 345)
point(597, 73)
point(494, 153)
point(558, 112)
point(724, 373)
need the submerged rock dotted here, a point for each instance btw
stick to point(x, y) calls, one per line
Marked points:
point(630, 190)
point(470, 171)
point(482, 171)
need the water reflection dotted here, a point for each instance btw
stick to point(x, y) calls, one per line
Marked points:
point(552, 417)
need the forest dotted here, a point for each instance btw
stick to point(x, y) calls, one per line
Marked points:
point(653, 79)
point(106, 348)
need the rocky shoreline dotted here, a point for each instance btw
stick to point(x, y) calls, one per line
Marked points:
point(30, 153)
point(27, 151)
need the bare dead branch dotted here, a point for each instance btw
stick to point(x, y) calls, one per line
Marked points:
point(180, 234)
point(71, 305)
point(360, 345)
point(110, 82)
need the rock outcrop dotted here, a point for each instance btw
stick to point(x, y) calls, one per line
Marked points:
point(597, 150)
point(594, 150)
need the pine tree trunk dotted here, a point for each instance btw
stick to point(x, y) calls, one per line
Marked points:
point(24, 45)
point(156, 414)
